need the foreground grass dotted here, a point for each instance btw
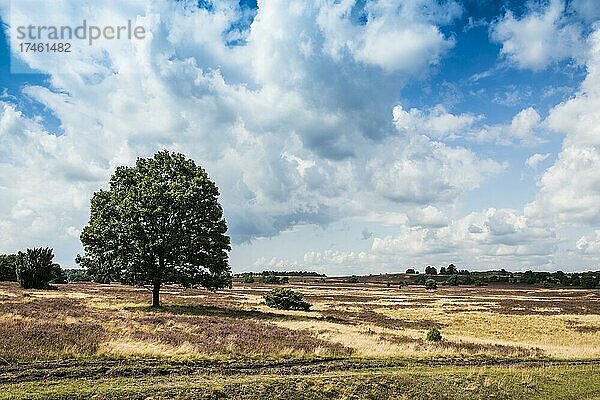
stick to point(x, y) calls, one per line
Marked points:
point(555, 382)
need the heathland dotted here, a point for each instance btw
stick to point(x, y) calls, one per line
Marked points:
point(359, 340)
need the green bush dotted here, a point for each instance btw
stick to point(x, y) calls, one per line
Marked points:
point(588, 281)
point(248, 278)
point(430, 284)
point(7, 267)
point(273, 279)
point(286, 299)
point(35, 268)
point(76, 275)
point(434, 335)
point(353, 279)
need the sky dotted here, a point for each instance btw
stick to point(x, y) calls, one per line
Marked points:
point(346, 137)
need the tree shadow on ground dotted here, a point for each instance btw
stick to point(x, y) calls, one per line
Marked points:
point(212, 311)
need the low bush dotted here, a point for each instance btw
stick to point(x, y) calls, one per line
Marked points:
point(434, 335)
point(430, 284)
point(286, 299)
point(273, 279)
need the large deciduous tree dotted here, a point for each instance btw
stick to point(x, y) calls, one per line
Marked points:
point(159, 222)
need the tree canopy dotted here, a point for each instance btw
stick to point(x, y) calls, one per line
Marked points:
point(159, 222)
point(34, 268)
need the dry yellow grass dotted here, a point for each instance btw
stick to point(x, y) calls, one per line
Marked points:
point(552, 333)
point(372, 320)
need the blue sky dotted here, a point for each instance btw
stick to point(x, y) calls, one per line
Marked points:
point(346, 137)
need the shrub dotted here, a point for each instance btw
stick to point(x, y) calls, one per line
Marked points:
point(286, 299)
point(76, 275)
point(434, 335)
point(7, 267)
point(353, 279)
point(248, 278)
point(57, 274)
point(34, 268)
point(273, 279)
point(430, 284)
point(588, 281)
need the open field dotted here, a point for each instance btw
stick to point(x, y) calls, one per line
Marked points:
point(357, 339)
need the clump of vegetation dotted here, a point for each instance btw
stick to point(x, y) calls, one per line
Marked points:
point(430, 284)
point(76, 275)
point(353, 279)
point(7, 267)
point(434, 335)
point(588, 281)
point(286, 299)
point(34, 268)
point(273, 279)
point(429, 270)
point(456, 280)
point(248, 278)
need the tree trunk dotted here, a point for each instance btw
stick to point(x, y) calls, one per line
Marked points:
point(155, 295)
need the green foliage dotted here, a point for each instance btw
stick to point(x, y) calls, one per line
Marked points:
point(420, 280)
point(273, 279)
point(248, 278)
point(57, 274)
point(34, 268)
point(430, 284)
point(159, 222)
point(451, 269)
point(7, 267)
point(429, 270)
point(456, 280)
point(410, 271)
point(76, 275)
point(434, 335)
point(588, 281)
point(353, 279)
point(286, 299)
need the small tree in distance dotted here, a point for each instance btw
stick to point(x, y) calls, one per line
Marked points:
point(159, 222)
point(34, 268)
point(7, 267)
point(429, 270)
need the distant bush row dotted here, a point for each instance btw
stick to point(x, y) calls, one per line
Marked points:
point(587, 280)
point(265, 278)
point(456, 277)
point(282, 273)
point(34, 269)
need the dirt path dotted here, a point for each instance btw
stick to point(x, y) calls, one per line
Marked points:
point(93, 369)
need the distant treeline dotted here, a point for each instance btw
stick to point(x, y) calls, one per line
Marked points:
point(8, 267)
point(282, 273)
point(454, 276)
